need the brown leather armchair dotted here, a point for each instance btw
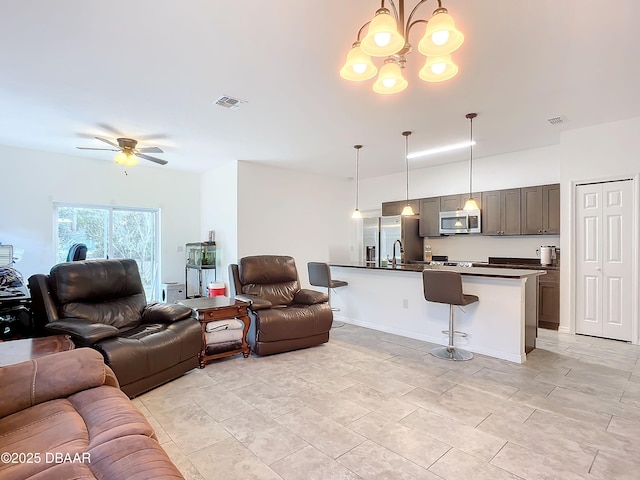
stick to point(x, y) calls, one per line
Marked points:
point(284, 317)
point(102, 304)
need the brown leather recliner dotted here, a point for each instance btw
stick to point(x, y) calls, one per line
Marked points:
point(63, 417)
point(102, 304)
point(283, 316)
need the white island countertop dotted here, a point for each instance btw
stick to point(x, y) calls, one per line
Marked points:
point(502, 324)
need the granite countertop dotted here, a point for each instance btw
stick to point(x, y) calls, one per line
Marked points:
point(467, 271)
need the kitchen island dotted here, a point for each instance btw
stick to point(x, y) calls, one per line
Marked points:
point(501, 325)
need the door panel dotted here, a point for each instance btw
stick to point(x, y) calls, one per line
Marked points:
point(588, 270)
point(604, 259)
point(617, 260)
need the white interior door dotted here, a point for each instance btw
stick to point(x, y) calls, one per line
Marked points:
point(604, 259)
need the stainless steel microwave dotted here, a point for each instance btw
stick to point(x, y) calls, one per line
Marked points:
point(460, 221)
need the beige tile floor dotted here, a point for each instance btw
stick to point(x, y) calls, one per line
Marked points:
point(371, 405)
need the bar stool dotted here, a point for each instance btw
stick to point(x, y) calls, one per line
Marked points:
point(446, 287)
point(320, 276)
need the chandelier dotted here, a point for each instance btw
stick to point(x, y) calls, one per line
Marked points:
point(388, 36)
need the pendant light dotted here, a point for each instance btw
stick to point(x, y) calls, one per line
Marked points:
point(407, 210)
point(356, 212)
point(471, 204)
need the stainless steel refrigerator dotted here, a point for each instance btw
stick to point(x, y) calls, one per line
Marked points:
point(382, 232)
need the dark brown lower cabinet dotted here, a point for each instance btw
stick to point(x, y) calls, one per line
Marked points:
point(549, 300)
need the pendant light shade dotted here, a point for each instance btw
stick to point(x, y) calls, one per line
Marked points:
point(441, 36)
point(390, 79)
point(407, 210)
point(358, 65)
point(356, 212)
point(471, 204)
point(382, 38)
point(438, 69)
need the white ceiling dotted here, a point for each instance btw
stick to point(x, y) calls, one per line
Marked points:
point(151, 70)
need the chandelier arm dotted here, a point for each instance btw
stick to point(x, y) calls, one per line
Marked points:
point(395, 10)
point(361, 29)
point(414, 11)
point(409, 28)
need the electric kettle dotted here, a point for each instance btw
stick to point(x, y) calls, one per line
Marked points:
point(547, 254)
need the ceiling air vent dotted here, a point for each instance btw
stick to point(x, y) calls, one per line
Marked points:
point(559, 120)
point(229, 102)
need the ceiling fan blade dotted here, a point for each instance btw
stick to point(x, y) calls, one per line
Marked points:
point(109, 142)
point(108, 149)
point(150, 150)
point(152, 159)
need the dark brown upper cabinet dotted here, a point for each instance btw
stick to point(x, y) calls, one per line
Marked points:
point(390, 209)
point(540, 210)
point(501, 212)
point(450, 203)
point(430, 217)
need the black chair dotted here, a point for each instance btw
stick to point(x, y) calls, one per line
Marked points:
point(77, 252)
point(320, 276)
point(446, 287)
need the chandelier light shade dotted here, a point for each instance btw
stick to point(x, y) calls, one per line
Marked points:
point(441, 36)
point(387, 35)
point(382, 38)
point(438, 69)
point(407, 210)
point(390, 79)
point(358, 66)
point(471, 204)
point(356, 212)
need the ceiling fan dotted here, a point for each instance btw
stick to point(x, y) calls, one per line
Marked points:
point(129, 154)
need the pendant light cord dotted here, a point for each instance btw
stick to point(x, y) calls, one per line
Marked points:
point(406, 159)
point(357, 147)
point(471, 116)
point(470, 157)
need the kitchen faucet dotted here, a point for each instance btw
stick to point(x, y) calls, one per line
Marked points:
point(393, 260)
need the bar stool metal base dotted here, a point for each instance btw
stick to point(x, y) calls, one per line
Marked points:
point(451, 353)
point(335, 324)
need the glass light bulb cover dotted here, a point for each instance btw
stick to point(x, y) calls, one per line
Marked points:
point(131, 160)
point(470, 204)
point(382, 25)
point(390, 79)
point(449, 71)
point(407, 210)
point(440, 22)
point(356, 60)
point(356, 214)
point(121, 158)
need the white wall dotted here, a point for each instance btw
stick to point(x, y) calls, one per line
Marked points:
point(220, 213)
point(604, 152)
point(518, 169)
point(32, 181)
point(284, 212)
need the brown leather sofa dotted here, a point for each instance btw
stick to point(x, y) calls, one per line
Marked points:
point(62, 416)
point(102, 304)
point(284, 317)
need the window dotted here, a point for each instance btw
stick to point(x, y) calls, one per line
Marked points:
point(112, 232)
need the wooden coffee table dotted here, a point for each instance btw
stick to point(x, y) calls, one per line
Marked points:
point(211, 309)
point(16, 351)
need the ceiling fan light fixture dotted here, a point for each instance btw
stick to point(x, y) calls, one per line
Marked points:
point(127, 159)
